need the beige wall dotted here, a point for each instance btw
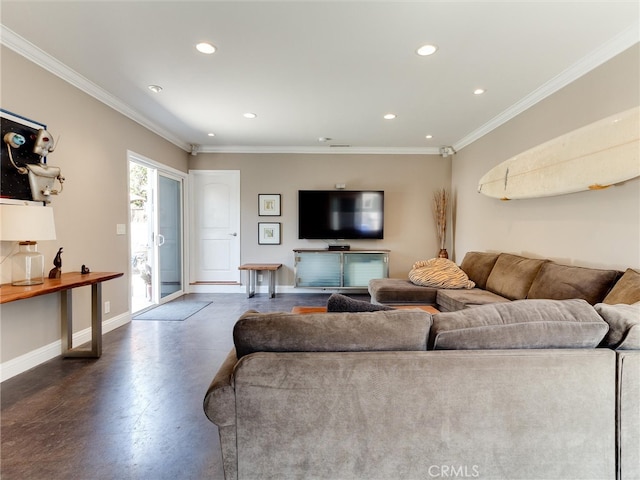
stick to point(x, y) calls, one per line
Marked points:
point(594, 228)
point(92, 153)
point(408, 181)
point(600, 229)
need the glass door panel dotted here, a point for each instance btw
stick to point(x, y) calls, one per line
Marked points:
point(169, 235)
point(359, 268)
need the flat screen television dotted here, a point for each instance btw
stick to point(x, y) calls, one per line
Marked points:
point(340, 214)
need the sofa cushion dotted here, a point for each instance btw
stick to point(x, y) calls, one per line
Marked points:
point(519, 324)
point(478, 265)
point(342, 303)
point(453, 300)
point(331, 332)
point(560, 282)
point(400, 290)
point(439, 272)
point(624, 325)
point(512, 275)
point(626, 290)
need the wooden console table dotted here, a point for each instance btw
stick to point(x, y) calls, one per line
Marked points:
point(65, 284)
point(252, 269)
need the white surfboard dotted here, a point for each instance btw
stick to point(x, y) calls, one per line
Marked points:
point(593, 157)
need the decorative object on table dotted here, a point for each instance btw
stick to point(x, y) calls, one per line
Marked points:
point(56, 271)
point(26, 224)
point(593, 157)
point(84, 270)
point(269, 233)
point(269, 204)
point(440, 206)
point(27, 145)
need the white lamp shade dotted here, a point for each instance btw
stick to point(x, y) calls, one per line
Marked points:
point(22, 223)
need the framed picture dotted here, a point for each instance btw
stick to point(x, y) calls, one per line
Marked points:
point(268, 233)
point(14, 184)
point(269, 204)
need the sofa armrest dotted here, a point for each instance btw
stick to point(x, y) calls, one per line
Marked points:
point(220, 400)
point(628, 414)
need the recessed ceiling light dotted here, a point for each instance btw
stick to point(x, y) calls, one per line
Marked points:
point(211, 134)
point(205, 47)
point(390, 116)
point(426, 50)
point(155, 88)
point(250, 115)
point(478, 91)
point(429, 137)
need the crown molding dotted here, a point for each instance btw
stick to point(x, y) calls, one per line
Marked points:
point(23, 47)
point(605, 52)
point(320, 150)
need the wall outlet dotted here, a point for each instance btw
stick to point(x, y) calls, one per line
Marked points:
point(107, 306)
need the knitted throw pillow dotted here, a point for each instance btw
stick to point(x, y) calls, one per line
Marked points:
point(439, 272)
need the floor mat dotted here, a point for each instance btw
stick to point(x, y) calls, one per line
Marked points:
point(176, 310)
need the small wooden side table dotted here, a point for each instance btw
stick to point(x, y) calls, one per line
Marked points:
point(252, 270)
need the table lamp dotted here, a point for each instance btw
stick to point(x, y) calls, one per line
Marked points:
point(26, 224)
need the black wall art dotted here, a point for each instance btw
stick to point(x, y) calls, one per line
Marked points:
point(13, 184)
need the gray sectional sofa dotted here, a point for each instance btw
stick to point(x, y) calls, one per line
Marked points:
point(502, 277)
point(527, 389)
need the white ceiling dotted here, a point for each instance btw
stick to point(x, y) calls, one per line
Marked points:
point(313, 69)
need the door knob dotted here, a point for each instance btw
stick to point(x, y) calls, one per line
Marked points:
point(234, 234)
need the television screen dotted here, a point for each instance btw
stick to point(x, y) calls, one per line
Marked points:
point(340, 214)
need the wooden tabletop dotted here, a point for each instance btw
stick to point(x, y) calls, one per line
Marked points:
point(10, 293)
point(260, 266)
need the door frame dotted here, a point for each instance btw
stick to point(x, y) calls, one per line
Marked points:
point(184, 178)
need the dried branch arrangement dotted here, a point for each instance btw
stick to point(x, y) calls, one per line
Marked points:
point(440, 205)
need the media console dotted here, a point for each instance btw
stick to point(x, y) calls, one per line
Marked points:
point(339, 269)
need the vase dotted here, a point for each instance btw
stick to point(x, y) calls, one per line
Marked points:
point(443, 253)
point(27, 266)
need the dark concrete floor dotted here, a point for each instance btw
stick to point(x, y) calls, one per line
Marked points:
point(135, 413)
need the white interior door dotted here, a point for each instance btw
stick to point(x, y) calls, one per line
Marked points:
point(215, 245)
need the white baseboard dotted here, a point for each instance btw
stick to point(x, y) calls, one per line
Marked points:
point(31, 359)
point(264, 289)
point(215, 288)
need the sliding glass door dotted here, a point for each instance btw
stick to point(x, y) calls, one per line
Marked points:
point(156, 226)
point(169, 236)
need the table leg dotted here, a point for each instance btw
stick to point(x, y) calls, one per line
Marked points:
point(272, 284)
point(66, 321)
point(251, 283)
point(96, 319)
point(96, 324)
